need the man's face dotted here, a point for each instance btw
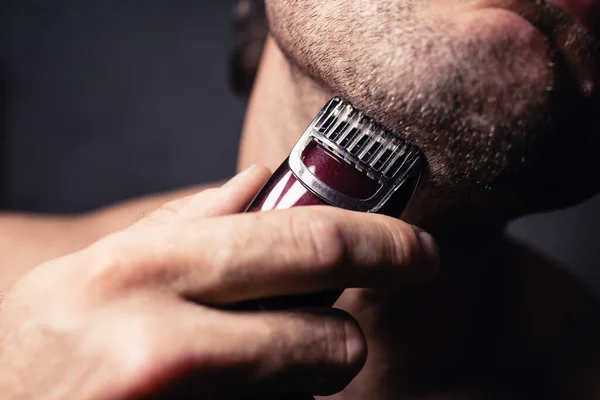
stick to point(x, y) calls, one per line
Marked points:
point(502, 95)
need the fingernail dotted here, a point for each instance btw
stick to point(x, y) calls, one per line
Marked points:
point(429, 250)
point(240, 176)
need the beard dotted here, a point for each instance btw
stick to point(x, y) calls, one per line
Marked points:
point(494, 106)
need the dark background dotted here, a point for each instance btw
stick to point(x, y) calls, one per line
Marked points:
point(107, 100)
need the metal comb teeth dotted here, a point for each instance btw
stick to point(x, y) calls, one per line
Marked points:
point(362, 142)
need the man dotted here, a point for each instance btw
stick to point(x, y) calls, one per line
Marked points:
point(494, 94)
point(518, 82)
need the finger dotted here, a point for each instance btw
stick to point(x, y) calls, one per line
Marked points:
point(310, 250)
point(233, 197)
point(316, 351)
point(172, 209)
point(284, 252)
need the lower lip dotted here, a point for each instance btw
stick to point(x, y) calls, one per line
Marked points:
point(491, 22)
point(505, 18)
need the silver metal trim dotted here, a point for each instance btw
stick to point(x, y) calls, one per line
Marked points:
point(404, 161)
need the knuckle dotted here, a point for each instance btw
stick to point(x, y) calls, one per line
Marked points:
point(138, 357)
point(329, 336)
point(221, 255)
point(118, 263)
point(162, 214)
point(350, 349)
point(407, 250)
point(320, 236)
point(346, 351)
point(166, 211)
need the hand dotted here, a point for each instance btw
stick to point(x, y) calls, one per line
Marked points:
point(135, 314)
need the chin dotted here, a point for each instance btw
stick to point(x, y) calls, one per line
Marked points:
point(483, 92)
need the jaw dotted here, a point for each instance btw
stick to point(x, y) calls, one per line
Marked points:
point(283, 103)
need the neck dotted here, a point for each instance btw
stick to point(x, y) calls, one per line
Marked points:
point(284, 102)
point(282, 105)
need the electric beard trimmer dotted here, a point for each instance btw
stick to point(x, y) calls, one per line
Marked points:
point(344, 159)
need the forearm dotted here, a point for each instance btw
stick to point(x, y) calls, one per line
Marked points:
point(27, 240)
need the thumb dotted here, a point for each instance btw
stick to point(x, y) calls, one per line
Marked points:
point(233, 197)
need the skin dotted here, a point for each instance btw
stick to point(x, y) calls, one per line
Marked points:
point(516, 327)
point(491, 99)
point(27, 240)
point(500, 137)
point(498, 320)
point(135, 315)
